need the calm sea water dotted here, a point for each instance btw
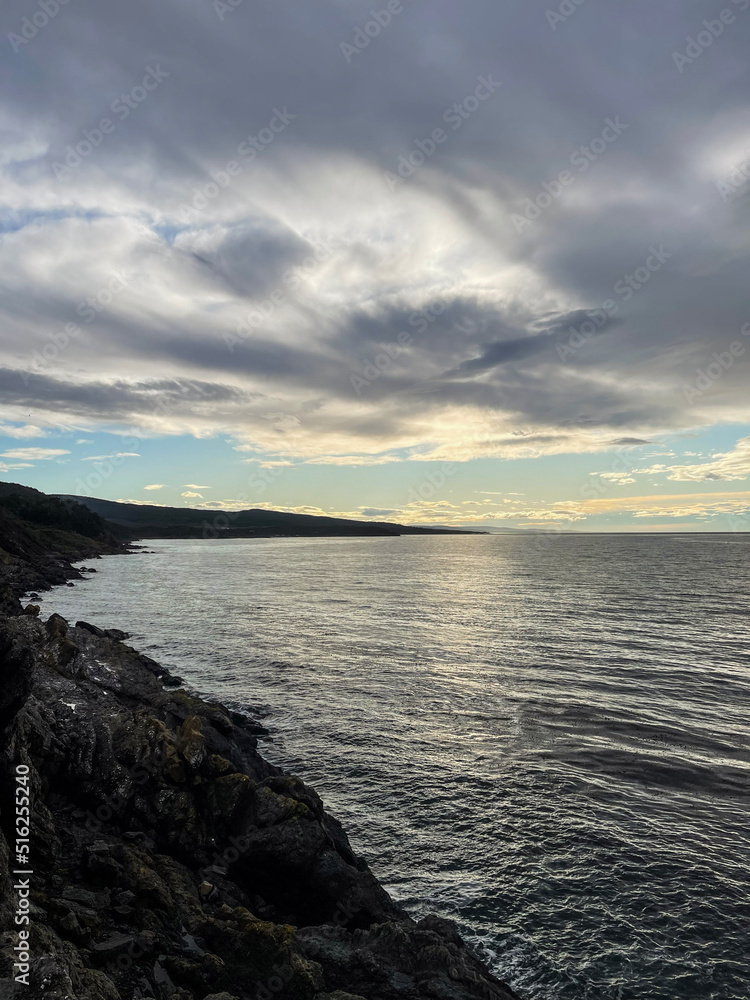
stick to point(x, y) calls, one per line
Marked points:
point(546, 739)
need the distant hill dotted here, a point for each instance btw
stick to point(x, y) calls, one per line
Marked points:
point(151, 521)
point(52, 512)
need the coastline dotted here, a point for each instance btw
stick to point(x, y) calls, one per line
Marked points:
point(37, 558)
point(169, 859)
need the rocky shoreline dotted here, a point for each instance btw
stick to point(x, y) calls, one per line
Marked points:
point(170, 860)
point(35, 559)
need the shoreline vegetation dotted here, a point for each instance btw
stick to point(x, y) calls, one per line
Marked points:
point(148, 850)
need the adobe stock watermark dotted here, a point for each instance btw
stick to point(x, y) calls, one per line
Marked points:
point(735, 184)
point(290, 281)
point(455, 116)
point(619, 467)
point(258, 482)
point(249, 149)
point(432, 483)
point(372, 370)
point(224, 7)
point(104, 469)
point(722, 362)
point(696, 45)
point(123, 106)
point(88, 309)
point(739, 523)
point(421, 320)
point(625, 288)
point(22, 865)
point(582, 158)
point(31, 26)
point(369, 30)
point(565, 11)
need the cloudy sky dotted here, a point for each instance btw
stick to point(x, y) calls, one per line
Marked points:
point(481, 263)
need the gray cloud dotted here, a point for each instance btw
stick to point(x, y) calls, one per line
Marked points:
point(117, 400)
point(483, 305)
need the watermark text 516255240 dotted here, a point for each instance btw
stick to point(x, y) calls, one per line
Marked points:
point(22, 875)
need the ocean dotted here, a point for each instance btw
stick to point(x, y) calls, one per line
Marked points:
point(545, 738)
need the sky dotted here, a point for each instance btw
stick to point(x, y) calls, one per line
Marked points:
point(479, 264)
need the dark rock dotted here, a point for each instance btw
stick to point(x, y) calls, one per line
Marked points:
point(103, 868)
point(401, 959)
point(84, 914)
point(118, 944)
point(90, 628)
point(110, 633)
point(126, 898)
point(18, 663)
point(151, 665)
point(9, 602)
point(248, 724)
point(173, 681)
point(56, 627)
point(85, 897)
point(69, 924)
point(115, 633)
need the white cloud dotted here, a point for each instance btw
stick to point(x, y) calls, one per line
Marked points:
point(620, 478)
point(710, 506)
point(353, 460)
point(26, 431)
point(724, 466)
point(4, 467)
point(141, 503)
point(35, 454)
point(191, 493)
point(194, 486)
point(103, 458)
point(155, 486)
point(672, 505)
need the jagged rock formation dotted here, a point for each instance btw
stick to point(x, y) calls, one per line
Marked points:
point(171, 861)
